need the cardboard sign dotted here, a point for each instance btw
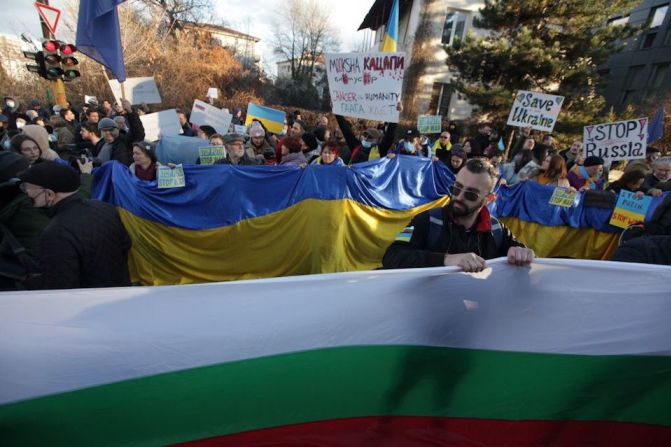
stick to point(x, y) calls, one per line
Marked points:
point(366, 85)
point(272, 119)
point(209, 154)
point(536, 110)
point(138, 90)
point(213, 93)
point(88, 99)
point(563, 197)
point(171, 177)
point(621, 140)
point(160, 124)
point(629, 209)
point(203, 113)
point(429, 124)
point(241, 130)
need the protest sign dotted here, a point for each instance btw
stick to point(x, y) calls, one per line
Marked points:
point(138, 90)
point(160, 124)
point(366, 85)
point(630, 209)
point(241, 130)
point(536, 110)
point(171, 177)
point(209, 154)
point(88, 99)
point(563, 197)
point(272, 119)
point(429, 124)
point(213, 92)
point(203, 113)
point(621, 140)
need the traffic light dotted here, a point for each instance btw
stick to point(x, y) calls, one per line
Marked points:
point(38, 57)
point(52, 60)
point(69, 62)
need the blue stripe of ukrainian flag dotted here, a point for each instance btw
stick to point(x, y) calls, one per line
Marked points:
point(405, 235)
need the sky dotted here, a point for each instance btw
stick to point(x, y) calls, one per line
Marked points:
point(253, 17)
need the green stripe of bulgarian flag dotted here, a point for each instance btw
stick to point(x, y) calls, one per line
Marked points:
point(352, 382)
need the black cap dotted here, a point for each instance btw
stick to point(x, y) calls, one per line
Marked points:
point(53, 176)
point(593, 160)
point(411, 133)
point(11, 164)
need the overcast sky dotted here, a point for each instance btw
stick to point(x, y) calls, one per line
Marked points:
point(253, 17)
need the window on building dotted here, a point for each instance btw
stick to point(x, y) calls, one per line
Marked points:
point(618, 21)
point(657, 77)
point(648, 40)
point(441, 95)
point(657, 15)
point(631, 83)
point(455, 25)
point(667, 37)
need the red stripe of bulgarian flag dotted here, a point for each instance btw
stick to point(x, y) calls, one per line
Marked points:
point(397, 395)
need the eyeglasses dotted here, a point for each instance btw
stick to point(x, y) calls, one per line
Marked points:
point(456, 191)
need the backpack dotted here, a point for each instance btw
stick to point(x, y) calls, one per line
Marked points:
point(436, 227)
point(16, 265)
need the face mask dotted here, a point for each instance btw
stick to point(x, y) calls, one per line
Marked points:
point(366, 144)
point(409, 146)
point(5, 145)
point(20, 124)
point(10, 104)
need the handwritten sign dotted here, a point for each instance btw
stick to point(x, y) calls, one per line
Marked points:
point(429, 124)
point(171, 177)
point(621, 140)
point(138, 90)
point(536, 110)
point(629, 209)
point(210, 154)
point(366, 85)
point(161, 124)
point(563, 197)
point(203, 113)
point(240, 130)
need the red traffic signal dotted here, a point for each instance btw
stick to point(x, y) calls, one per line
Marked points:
point(51, 45)
point(58, 61)
point(68, 49)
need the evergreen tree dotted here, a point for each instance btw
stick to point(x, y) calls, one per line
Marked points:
point(550, 46)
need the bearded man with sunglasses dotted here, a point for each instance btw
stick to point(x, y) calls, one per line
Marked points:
point(461, 234)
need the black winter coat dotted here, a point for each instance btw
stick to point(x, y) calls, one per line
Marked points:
point(454, 239)
point(84, 245)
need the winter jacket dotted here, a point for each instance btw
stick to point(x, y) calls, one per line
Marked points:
point(22, 219)
point(84, 245)
point(645, 250)
point(359, 153)
point(244, 161)
point(295, 159)
point(454, 239)
point(578, 177)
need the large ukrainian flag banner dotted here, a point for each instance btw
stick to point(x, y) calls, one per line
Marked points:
point(232, 222)
point(580, 232)
point(390, 42)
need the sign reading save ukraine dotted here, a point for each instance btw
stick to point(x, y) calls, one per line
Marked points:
point(630, 209)
point(272, 119)
point(536, 110)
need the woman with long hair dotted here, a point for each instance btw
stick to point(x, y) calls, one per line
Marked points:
point(553, 172)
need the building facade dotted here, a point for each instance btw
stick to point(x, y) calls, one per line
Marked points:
point(244, 47)
point(11, 57)
point(318, 73)
point(639, 74)
point(438, 23)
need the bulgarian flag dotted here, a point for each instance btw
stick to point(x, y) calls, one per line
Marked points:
point(562, 353)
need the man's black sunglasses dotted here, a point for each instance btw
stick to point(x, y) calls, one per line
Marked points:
point(456, 190)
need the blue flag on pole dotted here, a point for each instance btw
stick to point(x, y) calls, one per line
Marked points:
point(98, 34)
point(656, 126)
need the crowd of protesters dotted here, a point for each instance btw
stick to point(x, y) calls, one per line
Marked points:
point(62, 239)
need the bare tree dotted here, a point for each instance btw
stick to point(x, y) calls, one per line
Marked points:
point(303, 33)
point(177, 12)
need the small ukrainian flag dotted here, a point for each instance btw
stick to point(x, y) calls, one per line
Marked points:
point(405, 235)
point(389, 44)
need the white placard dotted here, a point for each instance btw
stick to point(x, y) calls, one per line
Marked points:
point(203, 113)
point(213, 92)
point(536, 110)
point(621, 140)
point(160, 124)
point(138, 90)
point(366, 85)
point(88, 99)
point(241, 130)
